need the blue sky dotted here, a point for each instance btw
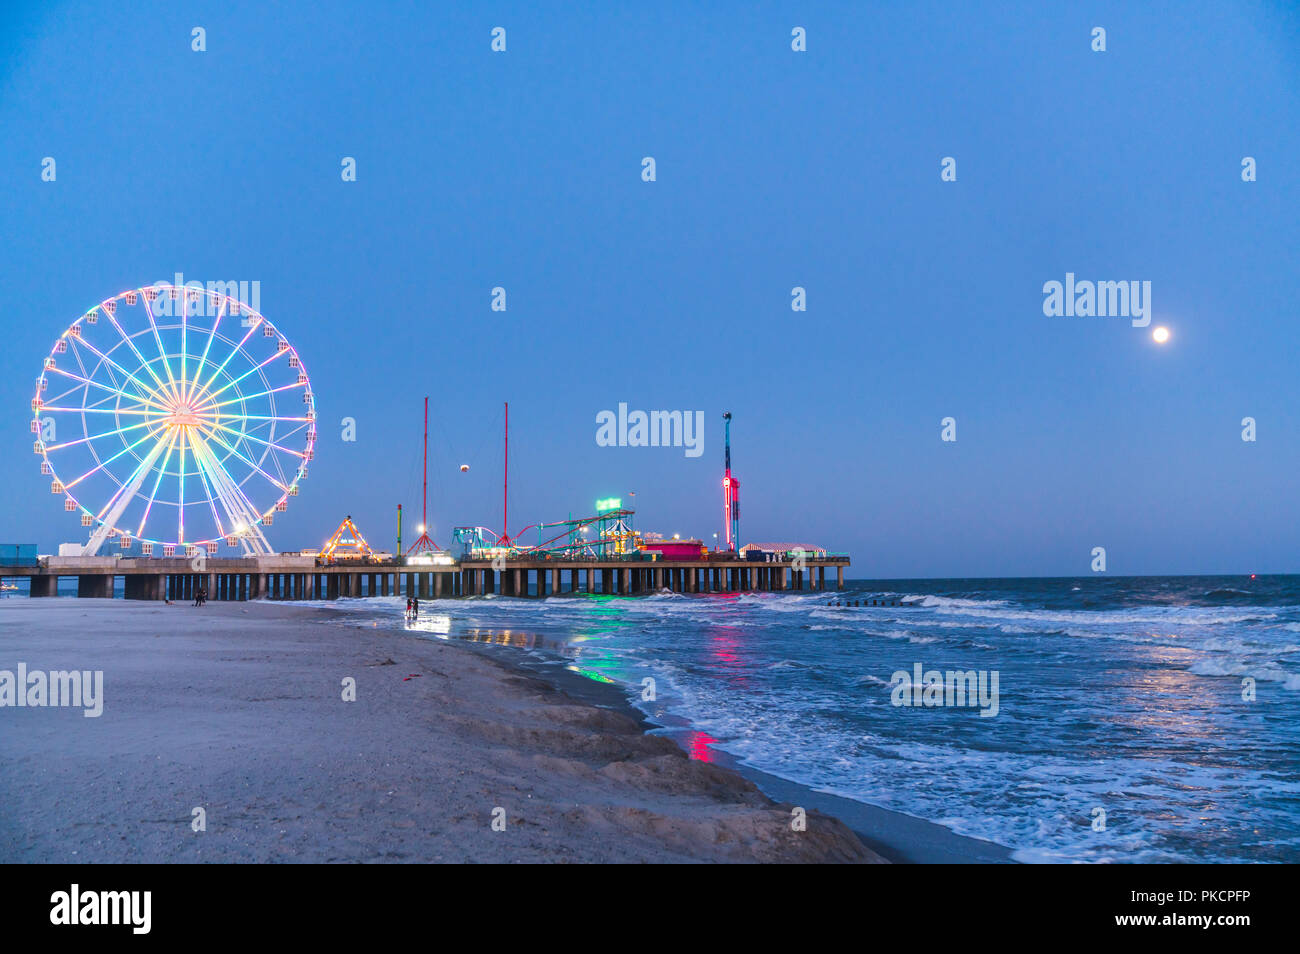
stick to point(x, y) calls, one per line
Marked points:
point(774, 169)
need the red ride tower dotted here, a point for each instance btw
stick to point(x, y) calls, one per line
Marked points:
point(730, 494)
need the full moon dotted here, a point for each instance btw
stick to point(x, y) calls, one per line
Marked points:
point(1161, 335)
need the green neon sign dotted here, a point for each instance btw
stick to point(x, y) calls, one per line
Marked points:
point(609, 503)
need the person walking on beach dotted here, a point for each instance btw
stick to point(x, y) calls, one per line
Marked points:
point(415, 607)
point(198, 596)
point(408, 607)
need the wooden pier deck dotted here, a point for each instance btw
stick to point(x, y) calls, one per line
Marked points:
point(303, 578)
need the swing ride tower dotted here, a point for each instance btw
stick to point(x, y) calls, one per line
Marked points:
point(423, 543)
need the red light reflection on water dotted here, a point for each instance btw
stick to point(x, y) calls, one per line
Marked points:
point(698, 746)
point(726, 648)
point(724, 645)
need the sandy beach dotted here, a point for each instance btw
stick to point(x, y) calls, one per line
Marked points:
point(238, 709)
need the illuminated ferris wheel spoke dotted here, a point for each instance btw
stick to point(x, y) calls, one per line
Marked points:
point(162, 470)
point(245, 460)
point(185, 326)
point(80, 343)
point(144, 362)
point(72, 391)
point(162, 352)
point(276, 462)
point(142, 389)
point(180, 492)
point(235, 381)
point(193, 423)
point(103, 464)
point(219, 479)
point(244, 435)
point(208, 490)
point(284, 433)
point(234, 437)
point(245, 397)
point(257, 417)
point(96, 384)
point(95, 410)
point(236, 350)
point(120, 399)
point(50, 448)
point(212, 333)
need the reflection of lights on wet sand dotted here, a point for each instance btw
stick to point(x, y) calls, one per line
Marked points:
point(435, 623)
point(440, 626)
point(699, 746)
point(502, 637)
point(592, 674)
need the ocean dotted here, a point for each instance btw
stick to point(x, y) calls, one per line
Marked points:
point(1152, 719)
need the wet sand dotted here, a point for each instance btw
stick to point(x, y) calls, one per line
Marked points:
point(237, 708)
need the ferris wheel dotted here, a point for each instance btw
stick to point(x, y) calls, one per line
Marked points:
point(174, 417)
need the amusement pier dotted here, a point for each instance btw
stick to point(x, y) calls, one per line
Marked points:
point(174, 423)
point(308, 578)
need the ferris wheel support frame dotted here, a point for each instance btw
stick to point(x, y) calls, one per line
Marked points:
point(237, 505)
point(119, 505)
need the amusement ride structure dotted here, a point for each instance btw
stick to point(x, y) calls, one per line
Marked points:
point(422, 544)
point(607, 534)
point(174, 417)
point(730, 493)
point(347, 543)
point(566, 539)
